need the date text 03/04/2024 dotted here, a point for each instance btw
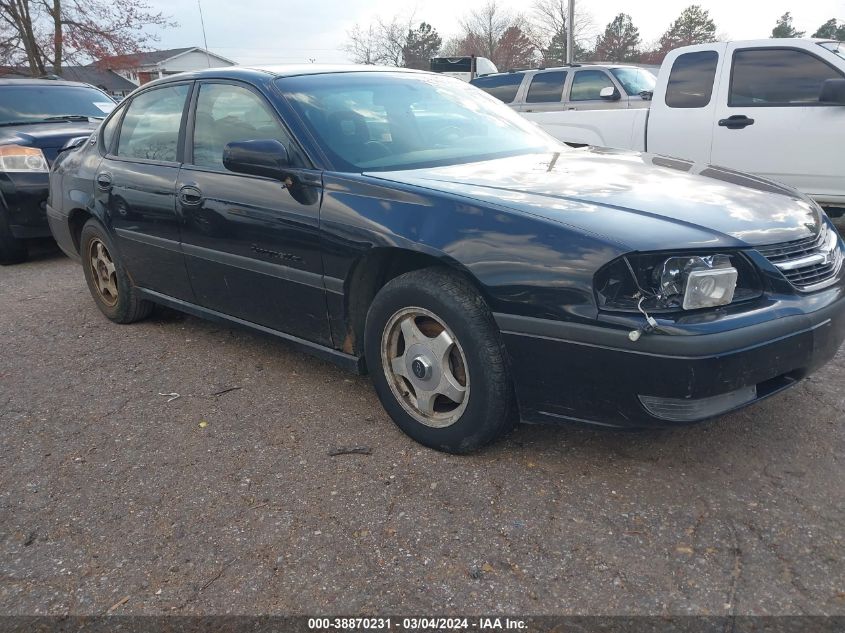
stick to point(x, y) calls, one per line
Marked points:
point(417, 624)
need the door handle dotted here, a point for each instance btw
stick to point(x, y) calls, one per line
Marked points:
point(190, 196)
point(736, 122)
point(104, 180)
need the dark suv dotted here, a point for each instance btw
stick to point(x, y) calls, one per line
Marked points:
point(38, 119)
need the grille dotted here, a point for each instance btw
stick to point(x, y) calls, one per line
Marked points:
point(808, 263)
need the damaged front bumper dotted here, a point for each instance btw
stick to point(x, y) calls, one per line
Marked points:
point(596, 374)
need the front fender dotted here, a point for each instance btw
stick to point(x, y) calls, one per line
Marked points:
point(525, 264)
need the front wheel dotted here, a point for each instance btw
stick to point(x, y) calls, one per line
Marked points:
point(437, 361)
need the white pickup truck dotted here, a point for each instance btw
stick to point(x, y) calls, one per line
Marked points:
point(775, 108)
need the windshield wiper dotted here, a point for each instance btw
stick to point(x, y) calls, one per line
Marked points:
point(74, 117)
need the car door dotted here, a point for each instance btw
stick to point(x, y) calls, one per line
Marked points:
point(136, 184)
point(545, 92)
point(680, 123)
point(585, 91)
point(251, 243)
point(769, 120)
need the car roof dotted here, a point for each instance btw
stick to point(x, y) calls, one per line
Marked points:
point(24, 81)
point(261, 73)
point(577, 66)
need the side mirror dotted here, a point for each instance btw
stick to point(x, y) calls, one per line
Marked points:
point(267, 158)
point(610, 93)
point(833, 91)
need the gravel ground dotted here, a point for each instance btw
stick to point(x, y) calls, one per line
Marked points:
point(115, 497)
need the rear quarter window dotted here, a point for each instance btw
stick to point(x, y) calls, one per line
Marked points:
point(503, 87)
point(691, 80)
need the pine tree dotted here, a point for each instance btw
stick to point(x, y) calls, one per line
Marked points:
point(831, 30)
point(693, 26)
point(620, 41)
point(420, 46)
point(784, 27)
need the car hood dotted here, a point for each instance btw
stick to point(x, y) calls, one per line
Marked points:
point(48, 137)
point(642, 201)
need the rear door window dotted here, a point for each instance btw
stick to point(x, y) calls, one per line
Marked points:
point(691, 80)
point(504, 87)
point(150, 129)
point(546, 87)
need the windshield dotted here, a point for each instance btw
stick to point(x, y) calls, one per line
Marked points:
point(36, 103)
point(635, 80)
point(379, 121)
point(834, 47)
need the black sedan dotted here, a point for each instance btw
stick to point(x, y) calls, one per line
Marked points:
point(409, 225)
point(38, 119)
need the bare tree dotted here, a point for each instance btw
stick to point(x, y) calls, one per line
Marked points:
point(43, 34)
point(380, 42)
point(361, 44)
point(501, 36)
point(391, 41)
point(489, 24)
point(549, 28)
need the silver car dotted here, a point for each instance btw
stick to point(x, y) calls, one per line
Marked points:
point(576, 87)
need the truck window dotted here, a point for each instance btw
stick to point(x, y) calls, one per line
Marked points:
point(777, 76)
point(588, 84)
point(504, 87)
point(546, 87)
point(691, 80)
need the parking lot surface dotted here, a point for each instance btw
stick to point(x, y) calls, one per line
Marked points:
point(118, 496)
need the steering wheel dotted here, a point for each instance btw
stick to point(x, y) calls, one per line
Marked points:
point(381, 150)
point(449, 134)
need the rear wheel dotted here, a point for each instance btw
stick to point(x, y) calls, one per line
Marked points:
point(12, 249)
point(113, 291)
point(437, 361)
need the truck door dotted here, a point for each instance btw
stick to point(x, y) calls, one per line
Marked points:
point(681, 120)
point(770, 121)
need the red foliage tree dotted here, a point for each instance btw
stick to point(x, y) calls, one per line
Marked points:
point(44, 34)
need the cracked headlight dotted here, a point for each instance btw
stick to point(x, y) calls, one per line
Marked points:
point(669, 282)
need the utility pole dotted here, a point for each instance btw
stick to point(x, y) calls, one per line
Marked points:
point(204, 41)
point(570, 33)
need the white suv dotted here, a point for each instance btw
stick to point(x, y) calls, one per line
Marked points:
point(576, 87)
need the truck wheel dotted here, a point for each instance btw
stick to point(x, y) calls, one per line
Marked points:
point(12, 249)
point(437, 361)
point(113, 291)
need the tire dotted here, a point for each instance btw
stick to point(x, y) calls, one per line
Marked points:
point(441, 306)
point(111, 287)
point(12, 249)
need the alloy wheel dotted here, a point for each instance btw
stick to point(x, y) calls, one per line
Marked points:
point(425, 367)
point(103, 272)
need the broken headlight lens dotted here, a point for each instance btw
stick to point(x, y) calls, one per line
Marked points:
point(697, 282)
point(668, 282)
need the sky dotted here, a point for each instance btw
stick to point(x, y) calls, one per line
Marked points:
point(292, 31)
